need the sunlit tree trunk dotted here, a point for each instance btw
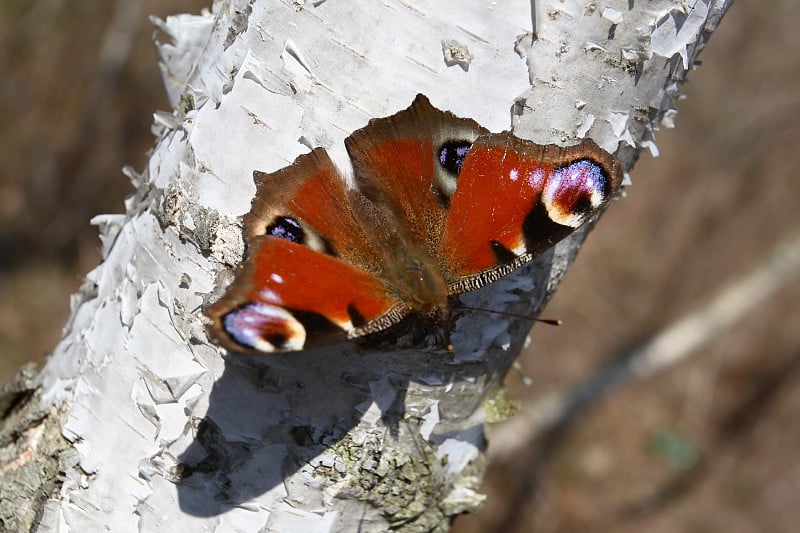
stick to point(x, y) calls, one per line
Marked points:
point(137, 423)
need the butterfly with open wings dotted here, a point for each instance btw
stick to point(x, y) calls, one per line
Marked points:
point(440, 207)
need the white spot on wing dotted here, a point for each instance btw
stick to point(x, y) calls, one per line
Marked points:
point(536, 179)
point(268, 295)
point(519, 248)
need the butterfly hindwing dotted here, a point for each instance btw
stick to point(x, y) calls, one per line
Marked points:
point(409, 162)
point(307, 202)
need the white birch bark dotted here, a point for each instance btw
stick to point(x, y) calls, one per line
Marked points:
point(163, 432)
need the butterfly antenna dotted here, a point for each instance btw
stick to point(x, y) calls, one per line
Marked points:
point(549, 321)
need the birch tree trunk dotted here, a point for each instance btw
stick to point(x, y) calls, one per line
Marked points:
point(137, 423)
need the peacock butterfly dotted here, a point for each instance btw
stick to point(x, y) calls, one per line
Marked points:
point(440, 207)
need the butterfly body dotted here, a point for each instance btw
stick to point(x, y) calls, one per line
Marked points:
point(441, 207)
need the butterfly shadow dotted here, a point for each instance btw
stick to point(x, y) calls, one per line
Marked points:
point(270, 416)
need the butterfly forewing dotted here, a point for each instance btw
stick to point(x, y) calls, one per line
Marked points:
point(516, 199)
point(289, 296)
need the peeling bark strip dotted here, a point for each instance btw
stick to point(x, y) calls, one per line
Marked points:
point(167, 434)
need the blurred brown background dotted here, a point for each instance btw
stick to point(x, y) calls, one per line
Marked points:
point(709, 444)
point(79, 83)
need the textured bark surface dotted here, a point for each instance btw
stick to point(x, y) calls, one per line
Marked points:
point(162, 431)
